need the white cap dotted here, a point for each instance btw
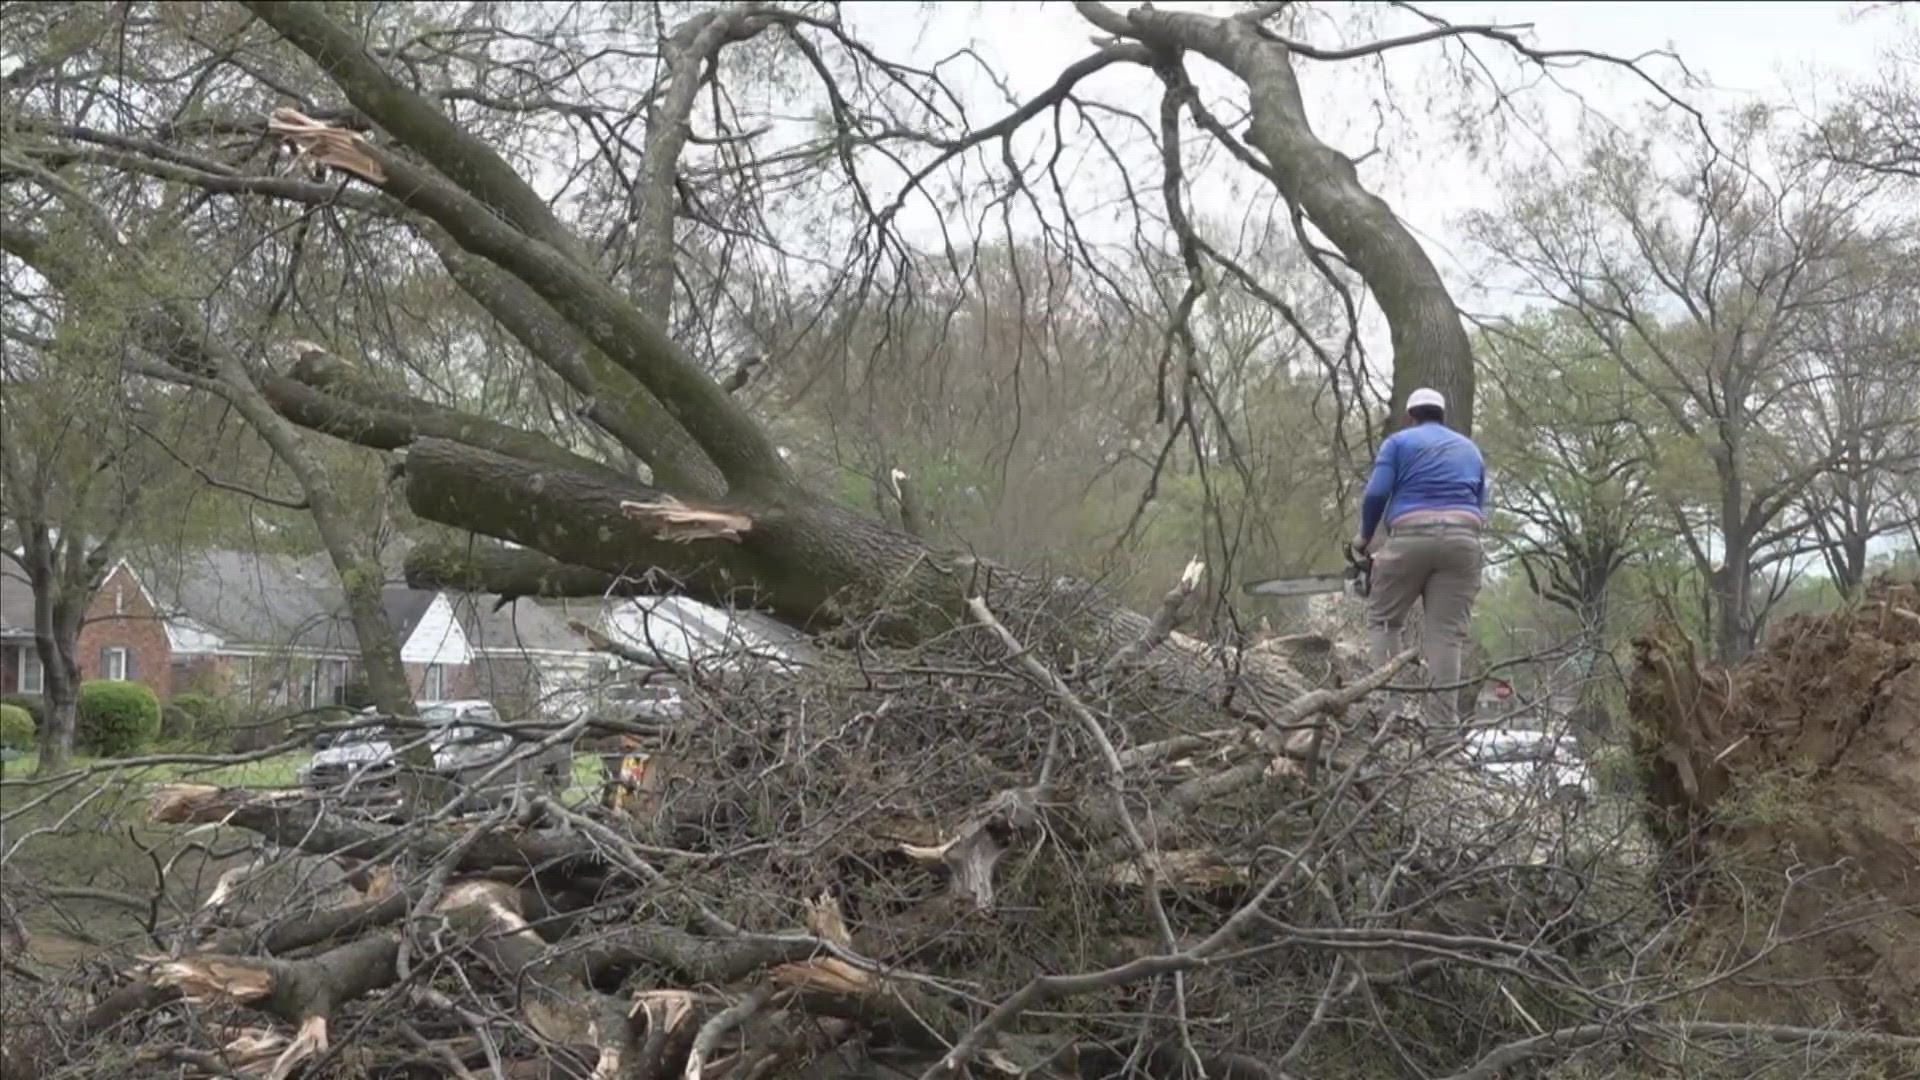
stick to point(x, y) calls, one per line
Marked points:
point(1426, 396)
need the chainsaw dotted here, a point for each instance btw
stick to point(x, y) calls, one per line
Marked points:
point(1357, 579)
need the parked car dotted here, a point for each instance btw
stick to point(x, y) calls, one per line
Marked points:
point(655, 699)
point(342, 755)
point(1525, 757)
point(467, 743)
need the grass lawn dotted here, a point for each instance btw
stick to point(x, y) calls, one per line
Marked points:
point(280, 770)
point(93, 839)
point(276, 771)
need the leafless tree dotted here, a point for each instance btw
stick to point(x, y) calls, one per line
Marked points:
point(1856, 408)
point(1007, 795)
point(1874, 130)
point(1699, 274)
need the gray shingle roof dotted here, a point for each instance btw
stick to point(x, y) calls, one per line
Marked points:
point(268, 601)
point(16, 603)
point(521, 625)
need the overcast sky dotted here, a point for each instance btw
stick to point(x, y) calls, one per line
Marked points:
point(1789, 53)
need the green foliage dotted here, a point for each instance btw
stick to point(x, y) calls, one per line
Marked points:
point(176, 725)
point(199, 720)
point(356, 694)
point(116, 718)
point(33, 705)
point(16, 727)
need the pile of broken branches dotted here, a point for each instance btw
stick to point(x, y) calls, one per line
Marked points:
point(956, 859)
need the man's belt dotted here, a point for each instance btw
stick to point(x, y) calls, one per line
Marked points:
point(1435, 524)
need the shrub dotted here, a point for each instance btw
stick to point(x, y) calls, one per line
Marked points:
point(176, 725)
point(116, 718)
point(356, 695)
point(33, 705)
point(16, 727)
point(198, 719)
point(259, 731)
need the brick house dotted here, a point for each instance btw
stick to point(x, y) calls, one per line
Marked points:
point(18, 661)
point(273, 630)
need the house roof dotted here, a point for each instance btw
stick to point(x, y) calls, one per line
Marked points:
point(519, 626)
point(239, 600)
point(680, 629)
point(255, 600)
point(16, 603)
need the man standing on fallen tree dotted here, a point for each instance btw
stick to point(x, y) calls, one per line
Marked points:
point(1429, 485)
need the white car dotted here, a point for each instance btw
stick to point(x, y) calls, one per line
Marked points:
point(1526, 758)
point(464, 736)
point(655, 699)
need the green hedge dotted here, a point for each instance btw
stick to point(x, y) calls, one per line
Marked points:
point(199, 720)
point(176, 725)
point(116, 718)
point(33, 704)
point(16, 727)
point(183, 717)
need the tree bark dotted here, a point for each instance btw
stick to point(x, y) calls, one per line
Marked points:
point(1430, 347)
point(1732, 588)
point(801, 555)
point(490, 212)
point(57, 615)
point(620, 406)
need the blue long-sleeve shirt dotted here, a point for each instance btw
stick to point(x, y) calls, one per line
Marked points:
point(1426, 467)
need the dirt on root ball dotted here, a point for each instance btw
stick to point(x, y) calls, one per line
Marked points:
point(1787, 792)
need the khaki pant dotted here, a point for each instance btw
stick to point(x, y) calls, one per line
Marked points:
point(1438, 565)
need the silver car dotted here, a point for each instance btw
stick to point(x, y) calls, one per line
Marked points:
point(1525, 758)
point(467, 740)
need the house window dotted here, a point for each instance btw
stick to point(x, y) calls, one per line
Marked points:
point(33, 677)
point(325, 683)
point(114, 663)
point(333, 682)
point(434, 686)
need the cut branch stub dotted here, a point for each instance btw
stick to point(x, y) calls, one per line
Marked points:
point(674, 520)
point(204, 979)
point(977, 848)
point(826, 973)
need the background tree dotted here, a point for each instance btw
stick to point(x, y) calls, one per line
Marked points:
point(1700, 272)
point(1571, 470)
point(1855, 405)
point(71, 482)
point(1875, 130)
point(1571, 476)
point(84, 457)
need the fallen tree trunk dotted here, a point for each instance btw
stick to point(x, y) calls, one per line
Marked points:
point(798, 553)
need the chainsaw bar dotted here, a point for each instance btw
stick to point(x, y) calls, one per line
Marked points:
point(1357, 579)
point(1300, 586)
